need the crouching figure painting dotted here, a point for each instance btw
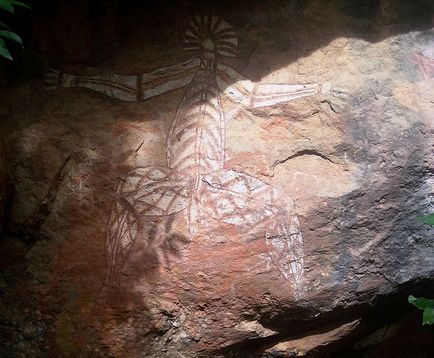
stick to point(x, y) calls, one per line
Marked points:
point(195, 182)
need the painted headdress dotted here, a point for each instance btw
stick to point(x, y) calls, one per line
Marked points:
point(210, 36)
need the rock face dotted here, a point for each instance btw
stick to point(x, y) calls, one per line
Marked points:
point(77, 32)
point(3, 183)
point(243, 186)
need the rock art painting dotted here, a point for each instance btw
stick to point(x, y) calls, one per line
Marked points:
point(424, 57)
point(195, 182)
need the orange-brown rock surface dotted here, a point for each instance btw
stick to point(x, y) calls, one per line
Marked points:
point(266, 226)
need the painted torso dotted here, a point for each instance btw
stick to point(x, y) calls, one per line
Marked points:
point(195, 144)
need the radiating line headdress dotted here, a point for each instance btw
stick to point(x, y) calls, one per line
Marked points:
point(210, 34)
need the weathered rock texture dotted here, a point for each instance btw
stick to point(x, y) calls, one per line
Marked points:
point(3, 182)
point(79, 32)
point(206, 204)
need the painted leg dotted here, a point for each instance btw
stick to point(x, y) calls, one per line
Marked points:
point(285, 248)
point(248, 203)
point(144, 198)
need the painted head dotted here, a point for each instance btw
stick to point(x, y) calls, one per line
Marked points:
point(210, 37)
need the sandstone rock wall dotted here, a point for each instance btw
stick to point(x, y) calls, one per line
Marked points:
point(3, 183)
point(246, 185)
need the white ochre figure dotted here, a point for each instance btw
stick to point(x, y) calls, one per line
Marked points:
point(195, 182)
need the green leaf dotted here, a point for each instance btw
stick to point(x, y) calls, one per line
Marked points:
point(11, 36)
point(418, 302)
point(429, 219)
point(426, 305)
point(7, 5)
point(4, 52)
point(21, 4)
point(2, 24)
point(428, 314)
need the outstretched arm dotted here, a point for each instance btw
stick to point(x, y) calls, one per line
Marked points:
point(274, 93)
point(255, 95)
point(129, 87)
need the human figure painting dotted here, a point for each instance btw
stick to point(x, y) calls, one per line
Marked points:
point(195, 182)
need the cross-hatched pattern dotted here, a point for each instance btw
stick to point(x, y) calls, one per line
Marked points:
point(196, 140)
point(235, 198)
point(249, 204)
point(142, 196)
point(194, 183)
point(123, 228)
point(153, 191)
point(285, 248)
